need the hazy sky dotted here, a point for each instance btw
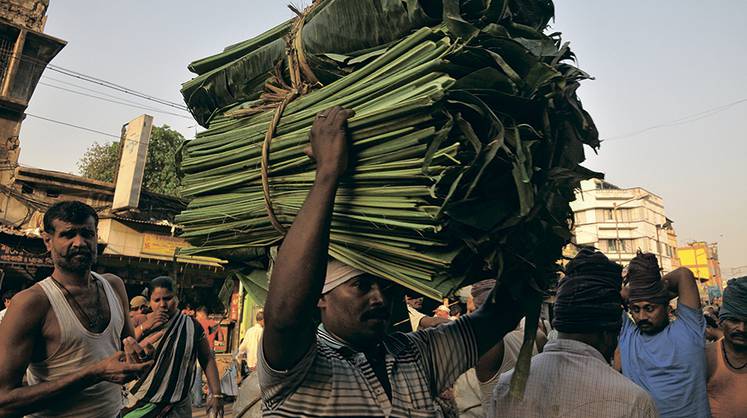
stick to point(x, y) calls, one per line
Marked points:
point(656, 63)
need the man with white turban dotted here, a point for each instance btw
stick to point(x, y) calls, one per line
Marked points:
point(348, 366)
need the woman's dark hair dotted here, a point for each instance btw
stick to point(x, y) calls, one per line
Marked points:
point(164, 282)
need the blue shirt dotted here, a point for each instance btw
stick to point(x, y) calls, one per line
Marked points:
point(670, 365)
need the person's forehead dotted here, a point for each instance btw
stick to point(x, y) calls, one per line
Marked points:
point(161, 292)
point(63, 225)
point(645, 304)
point(367, 277)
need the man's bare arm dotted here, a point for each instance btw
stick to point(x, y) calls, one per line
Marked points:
point(490, 362)
point(682, 283)
point(431, 321)
point(494, 319)
point(298, 275)
point(19, 332)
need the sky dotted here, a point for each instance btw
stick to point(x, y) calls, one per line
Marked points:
point(669, 95)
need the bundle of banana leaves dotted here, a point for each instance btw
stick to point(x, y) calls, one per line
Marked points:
point(467, 141)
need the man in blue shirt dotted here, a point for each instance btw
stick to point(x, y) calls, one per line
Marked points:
point(665, 357)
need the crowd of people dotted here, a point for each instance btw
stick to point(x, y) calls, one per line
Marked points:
point(73, 343)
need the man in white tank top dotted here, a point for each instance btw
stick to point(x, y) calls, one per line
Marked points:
point(67, 330)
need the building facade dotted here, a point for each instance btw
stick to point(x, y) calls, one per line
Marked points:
point(702, 259)
point(619, 222)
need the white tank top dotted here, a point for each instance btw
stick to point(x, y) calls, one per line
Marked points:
point(79, 348)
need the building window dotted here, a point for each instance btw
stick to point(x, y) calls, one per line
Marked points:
point(621, 246)
point(609, 214)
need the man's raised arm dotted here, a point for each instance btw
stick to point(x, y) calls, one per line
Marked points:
point(682, 283)
point(496, 318)
point(300, 268)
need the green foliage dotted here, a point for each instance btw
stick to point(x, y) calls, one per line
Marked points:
point(100, 161)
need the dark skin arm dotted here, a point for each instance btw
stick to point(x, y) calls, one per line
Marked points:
point(490, 363)
point(208, 364)
point(21, 329)
point(682, 283)
point(495, 318)
point(154, 320)
point(134, 352)
point(298, 275)
point(431, 321)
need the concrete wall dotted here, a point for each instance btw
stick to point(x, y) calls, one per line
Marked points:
point(30, 14)
point(10, 128)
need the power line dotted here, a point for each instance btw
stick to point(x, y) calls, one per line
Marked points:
point(101, 93)
point(123, 103)
point(101, 82)
point(83, 128)
point(113, 86)
point(683, 120)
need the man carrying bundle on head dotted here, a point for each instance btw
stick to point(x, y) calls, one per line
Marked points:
point(727, 357)
point(349, 366)
point(665, 358)
point(572, 376)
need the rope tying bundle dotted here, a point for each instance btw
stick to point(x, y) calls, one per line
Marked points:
point(278, 95)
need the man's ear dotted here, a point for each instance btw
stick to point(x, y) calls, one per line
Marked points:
point(322, 303)
point(47, 238)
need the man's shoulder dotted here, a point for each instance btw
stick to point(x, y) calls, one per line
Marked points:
point(33, 297)
point(32, 304)
point(112, 279)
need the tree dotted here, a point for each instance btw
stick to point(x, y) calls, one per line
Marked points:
point(100, 161)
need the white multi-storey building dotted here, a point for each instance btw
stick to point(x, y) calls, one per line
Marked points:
point(621, 221)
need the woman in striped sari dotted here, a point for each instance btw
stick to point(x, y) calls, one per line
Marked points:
point(164, 391)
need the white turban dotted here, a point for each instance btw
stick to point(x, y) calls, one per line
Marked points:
point(338, 273)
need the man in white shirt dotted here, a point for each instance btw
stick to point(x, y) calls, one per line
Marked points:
point(588, 317)
point(419, 320)
point(7, 296)
point(250, 343)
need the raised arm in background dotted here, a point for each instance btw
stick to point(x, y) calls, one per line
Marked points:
point(681, 282)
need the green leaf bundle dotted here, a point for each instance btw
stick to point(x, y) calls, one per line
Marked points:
point(467, 141)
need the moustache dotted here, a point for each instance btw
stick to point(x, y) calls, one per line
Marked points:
point(376, 313)
point(737, 334)
point(644, 323)
point(83, 252)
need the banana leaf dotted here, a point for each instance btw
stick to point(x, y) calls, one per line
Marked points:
point(467, 141)
point(239, 73)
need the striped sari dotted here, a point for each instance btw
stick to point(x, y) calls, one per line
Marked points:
point(167, 385)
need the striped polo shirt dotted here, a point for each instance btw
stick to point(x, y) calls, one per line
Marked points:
point(334, 380)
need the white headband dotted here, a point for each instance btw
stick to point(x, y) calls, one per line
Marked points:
point(338, 273)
